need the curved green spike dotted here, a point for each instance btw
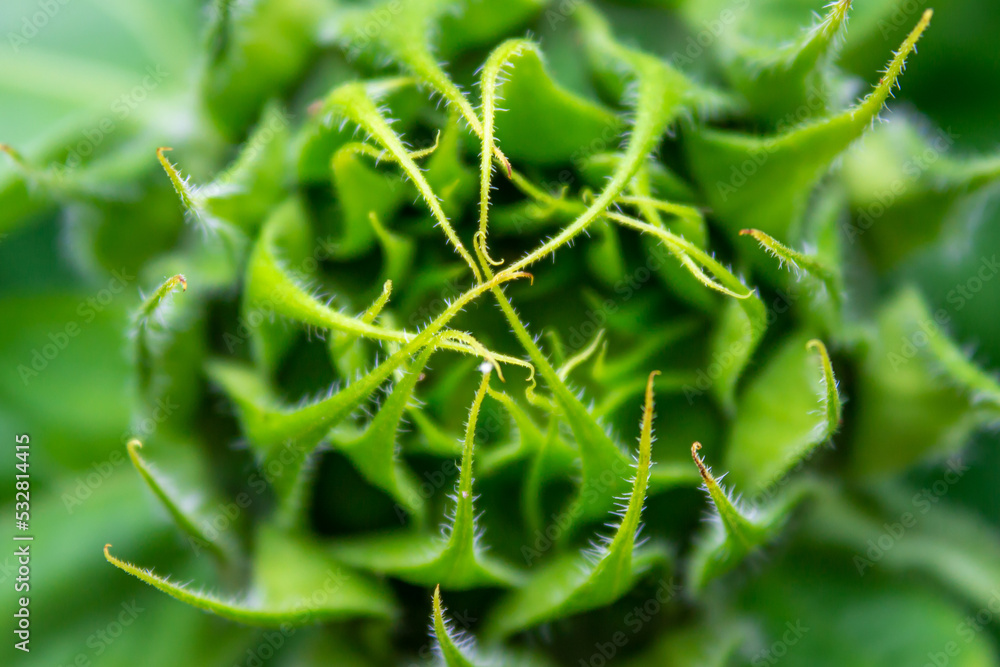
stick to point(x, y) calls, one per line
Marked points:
point(785, 413)
point(374, 451)
point(189, 516)
point(451, 654)
point(764, 183)
point(575, 583)
point(784, 83)
point(293, 582)
point(424, 559)
point(152, 307)
point(811, 264)
point(738, 531)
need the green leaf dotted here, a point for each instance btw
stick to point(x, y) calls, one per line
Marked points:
point(542, 123)
point(253, 183)
point(177, 489)
point(474, 23)
point(799, 262)
point(458, 560)
point(452, 651)
point(294, 582)
point(273, 289)
point(579, 582)
point(353, 102)
point(789, 409)
point(362, 193)
point(148, 329)
point(834, 617)
point(764, 182)
point(256, 53)
point(374, 452)
point(785, 83)
point(927, 534)
point(742, 323)
point(737, 530)
point(916, 393)
point(903, 182)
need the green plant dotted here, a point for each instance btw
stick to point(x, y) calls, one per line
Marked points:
point(334, 259)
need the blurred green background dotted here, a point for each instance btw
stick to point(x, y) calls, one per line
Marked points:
point(133, 61)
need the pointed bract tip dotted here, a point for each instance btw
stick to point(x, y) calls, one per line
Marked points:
point(436, 601)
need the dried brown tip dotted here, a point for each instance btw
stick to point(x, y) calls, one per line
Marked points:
point(698, 462)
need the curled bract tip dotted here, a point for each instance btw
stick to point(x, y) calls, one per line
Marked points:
point(107, 554)
point(707, 476)
point(134, 443)
point(163, 149)
point(649, 385)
